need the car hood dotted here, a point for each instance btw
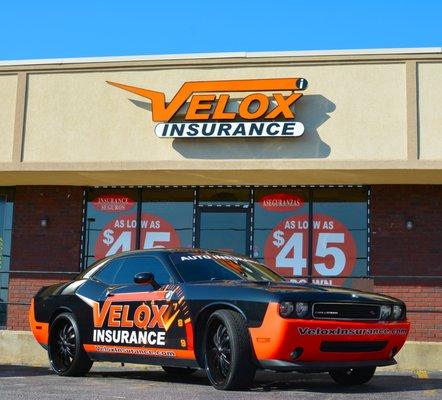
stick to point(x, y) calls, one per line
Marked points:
point(304, 291)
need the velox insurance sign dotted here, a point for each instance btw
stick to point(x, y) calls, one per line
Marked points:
point(205, 109)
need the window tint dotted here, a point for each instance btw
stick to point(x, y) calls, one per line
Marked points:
point(134, 265)
point(109, 271)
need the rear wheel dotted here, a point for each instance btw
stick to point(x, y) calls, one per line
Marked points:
point(184, 371)
point(66, 354)
point(228, 353)
point(353, 376)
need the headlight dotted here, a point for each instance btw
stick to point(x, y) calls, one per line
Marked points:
point(385, 312)
point(301, 309)
point(397, 312)
point(286, 308)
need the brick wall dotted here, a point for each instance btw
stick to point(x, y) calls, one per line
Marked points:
point(52, 248)
point(396, 250)
point(21, 290)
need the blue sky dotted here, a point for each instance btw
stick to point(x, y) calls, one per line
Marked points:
point(80, 28)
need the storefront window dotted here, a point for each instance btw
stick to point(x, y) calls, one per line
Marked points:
point(339, 234)
point(219, 196)
point(110, 223)
point(300, 232)
point(279, 214)
point(223, 219)
point(6, 206)
point(338, 246)
point(165, 215)
point(167, 218)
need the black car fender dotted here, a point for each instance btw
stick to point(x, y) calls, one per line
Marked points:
point(201, 321)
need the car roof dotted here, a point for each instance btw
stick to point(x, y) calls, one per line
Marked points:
point(175, 250)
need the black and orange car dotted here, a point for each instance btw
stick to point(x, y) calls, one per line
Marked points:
point(187, 309)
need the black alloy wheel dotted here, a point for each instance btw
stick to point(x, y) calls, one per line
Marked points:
point(219, 352)
point(65, 345)
point(66, 354)
point(228, 355)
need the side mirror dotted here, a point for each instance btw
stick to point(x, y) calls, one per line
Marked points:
point(146, 278)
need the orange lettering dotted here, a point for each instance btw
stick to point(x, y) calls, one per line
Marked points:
point(100, 315)
point(219, 112)
point(162, 112)
point(114, 316)
point(125, 321)
point(157, 318)
point(199, 102)
point(142, 316)
point(263, 104)
point(283, 106)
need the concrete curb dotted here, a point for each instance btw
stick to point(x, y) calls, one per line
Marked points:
point(20, 348)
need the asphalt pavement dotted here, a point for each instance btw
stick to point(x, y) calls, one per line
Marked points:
point(29, 383)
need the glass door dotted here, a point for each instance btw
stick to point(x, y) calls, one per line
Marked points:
point(223, 228)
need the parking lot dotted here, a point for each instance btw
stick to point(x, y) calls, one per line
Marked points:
point(18, 382)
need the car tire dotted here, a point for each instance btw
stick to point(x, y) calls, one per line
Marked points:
point(66, 354)
point(228, 351)
point(352, 376)
point(179, 371)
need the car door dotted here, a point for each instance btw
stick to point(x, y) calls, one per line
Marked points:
point(136, 320)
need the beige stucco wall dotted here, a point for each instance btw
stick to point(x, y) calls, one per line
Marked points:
point(351, 112)
point(368, 119)
point(8, 91)
point(430, 110)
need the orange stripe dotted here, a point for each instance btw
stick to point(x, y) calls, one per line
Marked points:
point(138, 296)
point(179, 353)
point(40, 330)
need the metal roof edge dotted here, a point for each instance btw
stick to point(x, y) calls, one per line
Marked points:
point(259, 54)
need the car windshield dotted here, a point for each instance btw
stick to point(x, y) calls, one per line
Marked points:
point(198, 267)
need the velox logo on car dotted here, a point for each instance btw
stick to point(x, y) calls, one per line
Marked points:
point(113, 203)
point(209, 111)
point(137, 322)
point(281, 202)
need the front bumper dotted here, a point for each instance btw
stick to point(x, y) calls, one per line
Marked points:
point(301, 344)
point(320, 366)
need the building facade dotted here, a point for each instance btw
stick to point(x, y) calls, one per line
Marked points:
point(325, 166)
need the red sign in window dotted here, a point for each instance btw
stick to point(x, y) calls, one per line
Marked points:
point(281, 202)
point(120, 235)
point(113, 203)
point(334, 249)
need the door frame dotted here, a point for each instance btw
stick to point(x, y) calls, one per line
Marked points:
point(224, 209)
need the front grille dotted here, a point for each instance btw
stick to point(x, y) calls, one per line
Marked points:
point(353, 347)
point(346, 311)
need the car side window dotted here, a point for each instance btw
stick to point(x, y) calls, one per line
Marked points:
point(134, 265)
point(107, 273)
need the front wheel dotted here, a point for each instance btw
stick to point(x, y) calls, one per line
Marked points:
point(66, 354)
point(228, 352)
point(352, 376)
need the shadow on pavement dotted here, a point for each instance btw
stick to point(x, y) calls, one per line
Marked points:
point(264, 382)
point(22, 371)
point(322, 383)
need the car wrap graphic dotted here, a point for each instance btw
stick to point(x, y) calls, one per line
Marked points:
point(124, 320)
point(151, 323)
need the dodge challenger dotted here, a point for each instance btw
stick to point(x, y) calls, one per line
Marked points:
point(185, 309)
